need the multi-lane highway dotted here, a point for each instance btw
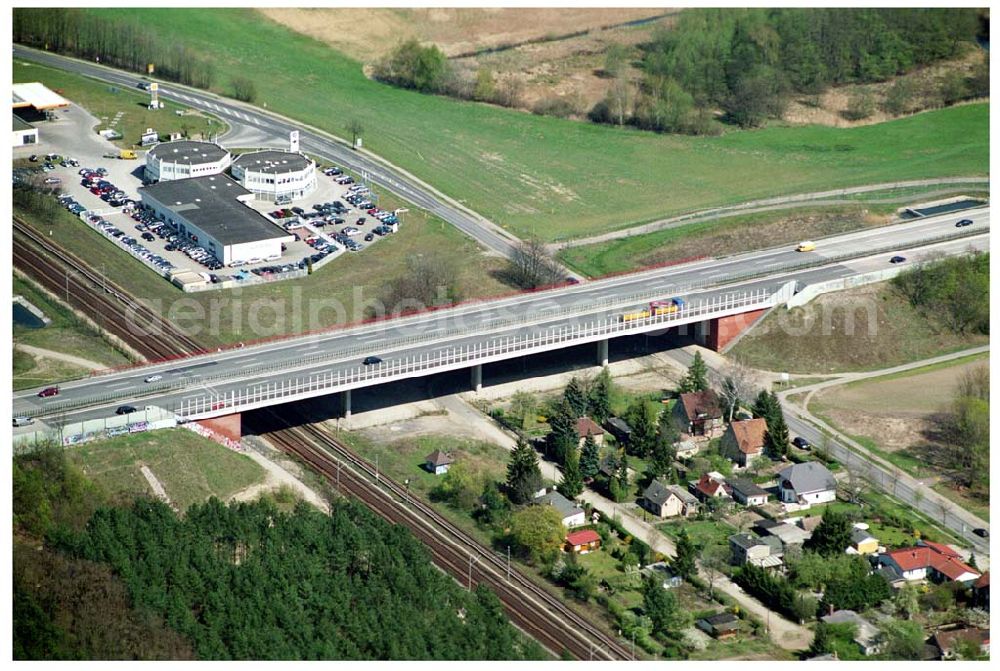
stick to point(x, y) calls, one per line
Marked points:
point(426, 335)
point(312, 141)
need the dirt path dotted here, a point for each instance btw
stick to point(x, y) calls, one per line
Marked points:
point(275, 478)
point(157, 486)
point(68, 358)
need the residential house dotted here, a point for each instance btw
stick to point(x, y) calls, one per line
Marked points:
point(929, 561)
point(947, 641)
point(437, 462)
point(665, 500)
point(867, 636)
point(711, 486)
point(743, 441)
point(699, 414)
point(572, 515)
point(787, 532)
point(686, 449)
point(749, 549)
point(981, 592)
point(747, 493)
point(891, 575)
point(808, 523)
point(810, 483)
point(585, 427)
point(619, 428)
point(862, 542)
point(583, 541)
point(720, 626)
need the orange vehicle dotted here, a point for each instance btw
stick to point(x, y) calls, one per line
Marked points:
point(655, 309)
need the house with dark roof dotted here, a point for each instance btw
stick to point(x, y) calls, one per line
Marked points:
point(720, 625)
point(585, 427)
point(571, 514)
point(787, 532)
point(947, 641)
point(437, 462)
point(619, 428)
point(766, 552)
point(862, 541)
point(665, 500)
point(743, 441)
point(807, 483)
point(747, 493)
point(583, 541)
point(866, 634)
point(699, 413)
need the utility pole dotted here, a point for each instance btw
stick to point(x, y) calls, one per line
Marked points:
point(508, 563)
point(376, 468)
point(407, 491)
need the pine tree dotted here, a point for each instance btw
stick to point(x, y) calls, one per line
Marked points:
point(763, 405)
point(523, 476)
point(832, 536)
point(590, 459)
point(619, 484)
point(697, 376)
point(576, 397)
point(776, 438)
point(662, 460)
point(563, 435)
point(643, 436)
point(572, 480)
point(684, 562)
point(599, 398)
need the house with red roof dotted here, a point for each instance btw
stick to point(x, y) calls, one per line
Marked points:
point(929, 561)
point(582, 542)
point(743, 441)
point(585, 427)
point(711, 486)
point(699, 413)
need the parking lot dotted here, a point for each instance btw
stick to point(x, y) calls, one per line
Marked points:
point(107, 190)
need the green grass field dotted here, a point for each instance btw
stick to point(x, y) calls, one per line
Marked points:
point(555, 178)
point(190, 468)
point(105, 101)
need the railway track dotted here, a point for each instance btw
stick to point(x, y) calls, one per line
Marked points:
point(105, 302)
point(537, 612)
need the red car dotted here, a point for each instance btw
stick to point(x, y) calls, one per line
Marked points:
point(48, 391)
point(218, 405)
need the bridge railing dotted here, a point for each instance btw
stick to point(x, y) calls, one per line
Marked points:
point(466, 355)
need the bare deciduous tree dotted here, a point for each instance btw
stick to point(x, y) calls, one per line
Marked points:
point(531, 266)
point(737, 383)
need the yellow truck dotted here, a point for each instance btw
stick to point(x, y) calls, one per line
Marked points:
point(127, 154)
point(806, 246)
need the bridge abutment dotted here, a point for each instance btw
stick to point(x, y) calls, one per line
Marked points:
point(716, 334)
point(228, 426)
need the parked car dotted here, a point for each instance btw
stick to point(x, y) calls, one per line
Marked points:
point(371, 360)
point(48, 391)
point(801, 443)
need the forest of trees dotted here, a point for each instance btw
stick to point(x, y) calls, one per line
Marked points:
point(122, 44)
point(243, 581)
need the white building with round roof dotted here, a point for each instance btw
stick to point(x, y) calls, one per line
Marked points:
point(181, 159)
point(280, 176)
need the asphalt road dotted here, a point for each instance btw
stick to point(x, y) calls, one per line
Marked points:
point(404, 185)
point(429, 333)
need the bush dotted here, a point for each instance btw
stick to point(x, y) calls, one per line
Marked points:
point(244, 89)
point(556, 106)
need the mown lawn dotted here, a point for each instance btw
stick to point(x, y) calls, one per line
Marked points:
point(557, 178)
point(105, 101)
point(190, 468)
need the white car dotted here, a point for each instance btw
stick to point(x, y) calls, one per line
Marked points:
point(153, 378)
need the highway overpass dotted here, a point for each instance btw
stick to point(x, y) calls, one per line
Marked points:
point(467, 336)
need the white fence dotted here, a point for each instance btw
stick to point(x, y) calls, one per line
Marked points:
point(492, 349)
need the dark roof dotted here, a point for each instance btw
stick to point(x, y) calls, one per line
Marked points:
point(210, 204)
point(745, 540)
point(889, 573)
point(811, 476)
point(657, 493)
point(188, 152)
point(565, 507)
point(272, 161)
point(21, 124)
point(438, 458)
point(722, 621)
point(747, 488)
point(767, 524)
point(618, 424)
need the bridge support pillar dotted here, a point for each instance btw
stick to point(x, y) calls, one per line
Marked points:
point(477, 378)
point(345, 403)
point(721, 332)
point(602, 352)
